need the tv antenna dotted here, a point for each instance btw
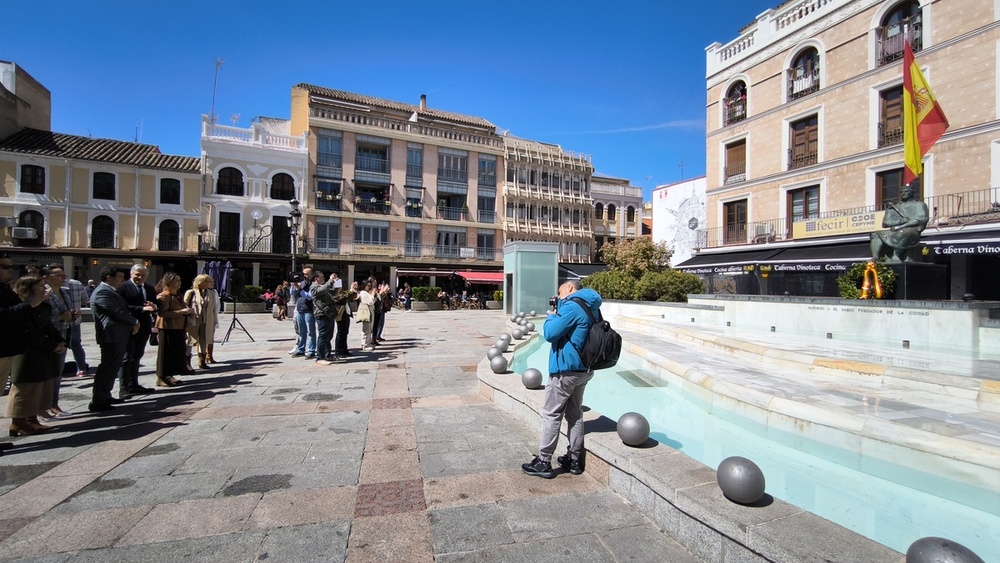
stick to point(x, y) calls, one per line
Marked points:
point(215, 84)
point(235, 118)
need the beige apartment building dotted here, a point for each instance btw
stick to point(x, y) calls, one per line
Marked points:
point(547, 198)
point(397, 191)
point(804, 144)
point(617, 210)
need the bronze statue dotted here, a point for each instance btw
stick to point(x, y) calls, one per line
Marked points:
point(904, 223)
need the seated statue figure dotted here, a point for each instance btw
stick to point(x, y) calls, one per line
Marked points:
point(904, 222)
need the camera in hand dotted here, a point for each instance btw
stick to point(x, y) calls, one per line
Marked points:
point(553, 301)
point(295, 277)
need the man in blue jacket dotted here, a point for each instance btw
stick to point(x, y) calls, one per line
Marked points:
point(566, 329)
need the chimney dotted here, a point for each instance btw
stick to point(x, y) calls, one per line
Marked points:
point(423, 102)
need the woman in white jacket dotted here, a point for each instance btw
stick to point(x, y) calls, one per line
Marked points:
point(366, 313)
point(204, 300)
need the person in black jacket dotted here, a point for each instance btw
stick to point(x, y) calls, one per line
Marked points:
point(140, 297)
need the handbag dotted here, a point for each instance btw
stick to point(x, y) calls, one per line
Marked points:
point(153, 340)
point(364, 314)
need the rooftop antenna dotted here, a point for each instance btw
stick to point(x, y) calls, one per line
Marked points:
point(681, 166)
point(215, 84)
point(138, 131)
point(235, 118)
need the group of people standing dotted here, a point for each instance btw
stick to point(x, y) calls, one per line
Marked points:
point(324, 308)
point(40, 320)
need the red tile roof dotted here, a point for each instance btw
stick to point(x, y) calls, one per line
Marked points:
point(47, 143)
point(398, 106)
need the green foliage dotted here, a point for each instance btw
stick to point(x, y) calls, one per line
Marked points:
point(251, 294)
point(424, 293)
point(612, 285)
point(498, 295)
point(668, 285)
point(850, 283)
point(636, 256)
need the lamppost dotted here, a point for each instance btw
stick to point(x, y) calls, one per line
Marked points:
point(296, 217)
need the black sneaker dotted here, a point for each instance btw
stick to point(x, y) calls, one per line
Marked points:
point(538, 468)
point(574, 466)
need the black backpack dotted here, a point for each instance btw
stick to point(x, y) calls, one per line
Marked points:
point(603, 345)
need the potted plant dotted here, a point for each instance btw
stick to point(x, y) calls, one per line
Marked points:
point(497, 301)
point(425, 298)
point(357, 200)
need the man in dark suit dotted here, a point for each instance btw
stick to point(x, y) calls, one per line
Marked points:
point(114, 327)
point(140, 297)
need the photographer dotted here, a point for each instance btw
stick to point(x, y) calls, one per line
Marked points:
point(305, 322)
point(566, 329)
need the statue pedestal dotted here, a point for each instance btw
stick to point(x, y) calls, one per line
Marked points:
point(921, 281)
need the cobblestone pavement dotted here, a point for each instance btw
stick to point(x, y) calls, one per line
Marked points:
point(391, 456)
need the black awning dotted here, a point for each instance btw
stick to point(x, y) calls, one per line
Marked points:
point(726, 259)
point(976, 243)
point(580, 271)
point(853, 252)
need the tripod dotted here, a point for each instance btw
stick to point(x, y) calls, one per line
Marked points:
point(235, 322)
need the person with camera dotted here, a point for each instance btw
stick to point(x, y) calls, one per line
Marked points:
point(305, 322)
point(566, 330)
point(324, 311)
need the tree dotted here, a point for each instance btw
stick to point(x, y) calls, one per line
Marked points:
point(636, 256)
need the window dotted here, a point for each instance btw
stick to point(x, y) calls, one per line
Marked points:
point(803, 203)
point(102, 232)
point(282, 187)
point(414, 162)
point(449, 243)
point(169, 236)
point(736, 162)
point(104, 185)
point(486, 245)
point(598, 210)
point(804, 149)
point(229, 231)
point(734, 105)
point(611, 212)
point(453, 168)
point(328, 195)
point(803, 77)
point(630, 214)
point(372, 158)
point(230, 182)
point(412, 247)
point(905, 19)
point(890, 125)
point(889, 184)
point(32, 179)
point(170, 191)
point(281, 235)
point(328, 150)
point(486, 208)
point(487, 170)
point(735, 227)
point(328, 236)
point(31, 220)
point(371, 232)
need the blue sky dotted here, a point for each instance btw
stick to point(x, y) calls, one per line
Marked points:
point(624, 83)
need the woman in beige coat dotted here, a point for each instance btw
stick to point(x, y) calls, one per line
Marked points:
point(204, 300)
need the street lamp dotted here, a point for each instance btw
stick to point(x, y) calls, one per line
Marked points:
point(296, 217)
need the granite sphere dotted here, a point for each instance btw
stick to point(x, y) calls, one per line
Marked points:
point(493, 352)
point(517, 334)
point(530, 326)
point(501, 345)
point(531, 313)
point(531, 378)
point(513, 318)
point(633, 429)
point(506, 337)
point(498, 364)
point(940, 550)
point(740, 480)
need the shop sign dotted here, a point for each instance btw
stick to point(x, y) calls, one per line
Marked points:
point(841, 225)
point(957, 249)
point(375, 250)
point(466, 252)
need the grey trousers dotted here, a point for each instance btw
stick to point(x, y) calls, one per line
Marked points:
point(563, 398)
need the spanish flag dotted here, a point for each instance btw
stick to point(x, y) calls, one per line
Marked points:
point(923, 119)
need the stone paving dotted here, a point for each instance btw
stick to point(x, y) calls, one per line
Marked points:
point(390, 456)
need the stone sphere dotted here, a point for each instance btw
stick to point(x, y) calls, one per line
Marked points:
point(518, 334)
point(501, 345)
point(493, 352)
point(513, 318)
point(498, 364)
point(505, 337)
point(523, 322)
point(740, 480)
point(530, 326)
point(940, 550)
point(518, 319)
point(633, 429)
point(531, 378)
point(531, 313)
point(521, 314)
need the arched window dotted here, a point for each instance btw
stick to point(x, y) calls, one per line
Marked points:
point(33, 220)
point(803, 76)
point(230, 182)
point(169, 236)
point(630, 214)
point(282, 187)
point(611, 212)
point(102, 232)
point(905, 20)
point(735, 103)
point(598, 210)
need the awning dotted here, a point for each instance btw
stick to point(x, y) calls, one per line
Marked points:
point(580, 271)
point(950, 244)
point(804, 258)
point(424, 273)
point(482, 277)
point(726, 259)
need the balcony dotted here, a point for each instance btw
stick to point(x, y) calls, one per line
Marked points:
point(376, 206)
point(453, 213)
point(414, 171)
point(453, 175)
point(414, 209)
point(800, 157)
point(890, 132)
point(329, 160)
point(168, 244)
point(372, 164)
point(890, 46)
point(487, 216)
point(391, 251)
point(212, 242)
point(947, 210)
point(488, 179)
point(735, 172)
point(736, 110)
point(802, 84)
point(103, 241)
point(329, 202)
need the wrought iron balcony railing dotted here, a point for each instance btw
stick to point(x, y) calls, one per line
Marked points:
point(395, 250)
point(890, 132)
point(453, 175)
